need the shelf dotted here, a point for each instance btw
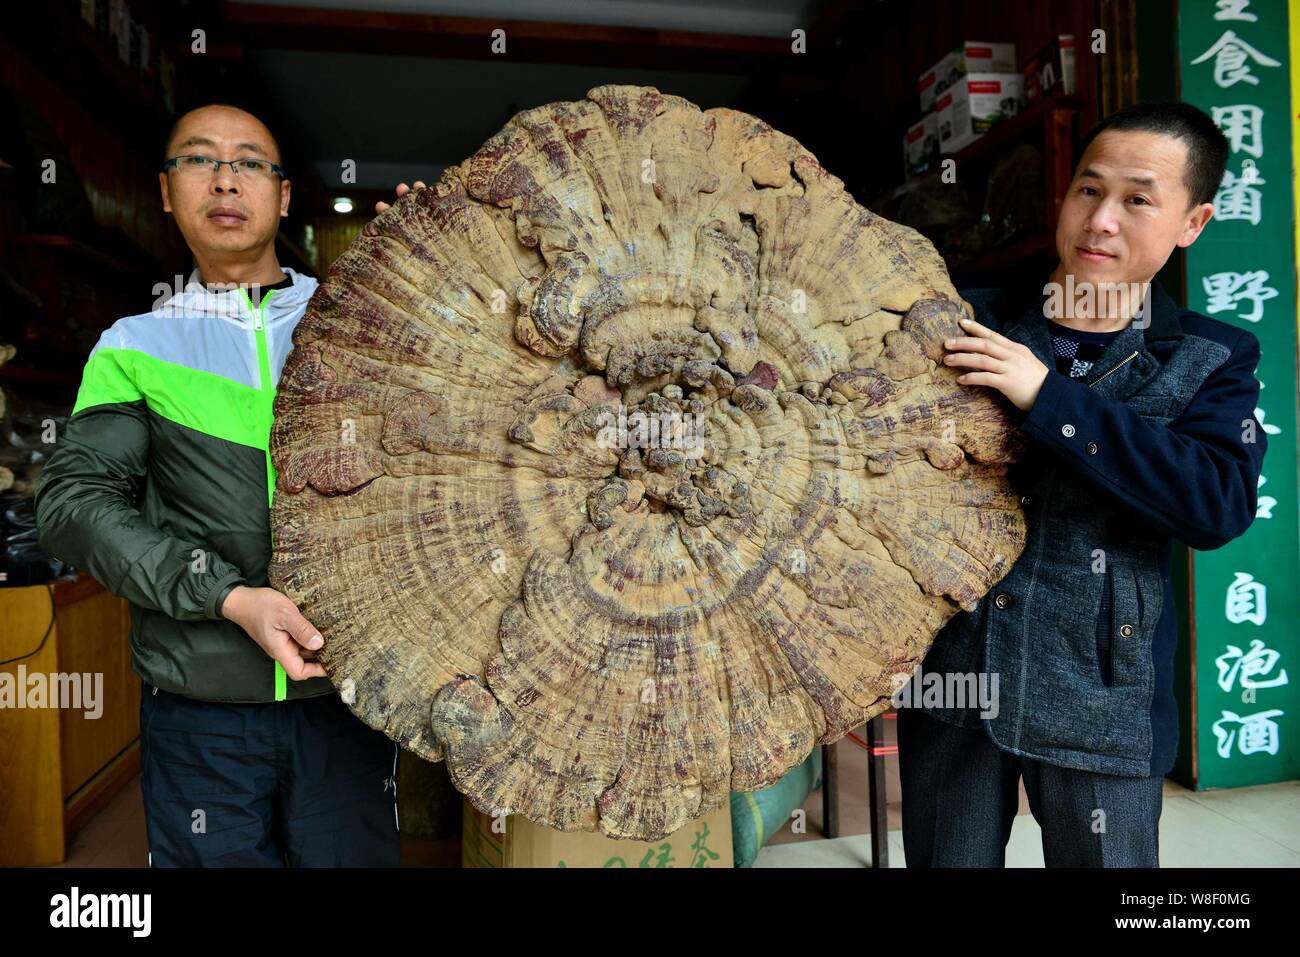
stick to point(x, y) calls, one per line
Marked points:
point(1050, 119)
point(62, 43)
point(143, 264)
point(901, 190)
point(988, 145)
point(1009, 131)
point(75, 247)
point(1000, 257)
point(40, 376)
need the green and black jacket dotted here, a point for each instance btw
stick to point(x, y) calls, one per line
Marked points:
point(160, 486)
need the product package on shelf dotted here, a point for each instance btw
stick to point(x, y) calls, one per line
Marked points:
point(975, 105)
point(972, 56)
point(1051, 70)
point(27, 431)
point(921, 146)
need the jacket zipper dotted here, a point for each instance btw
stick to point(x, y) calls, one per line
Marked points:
point(266, 385)
point(1132, 355)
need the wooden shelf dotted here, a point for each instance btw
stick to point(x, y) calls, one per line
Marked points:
point(40, 376)
point(113, 277)
point(1044, 110)
point(88, 62)
point(901, 190)
point(127, 259)
point(66, 244)
point(1051, 121)
point(1010, 131)
point(1001, 257)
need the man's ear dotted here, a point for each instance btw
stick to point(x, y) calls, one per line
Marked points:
point(1196, 220)
point(285, 189)
point(166, 193)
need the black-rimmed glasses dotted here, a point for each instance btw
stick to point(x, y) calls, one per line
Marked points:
point(196, 163)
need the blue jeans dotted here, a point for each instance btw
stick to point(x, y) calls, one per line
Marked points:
point(961, 793)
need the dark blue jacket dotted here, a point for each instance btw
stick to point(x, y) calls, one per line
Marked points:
point(1158, 442)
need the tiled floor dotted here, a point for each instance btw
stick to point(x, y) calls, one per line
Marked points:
point(115, 837)
point(1242, 827)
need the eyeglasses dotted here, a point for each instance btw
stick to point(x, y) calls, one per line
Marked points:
point(194, 164)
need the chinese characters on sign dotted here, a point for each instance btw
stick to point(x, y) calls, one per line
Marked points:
point(1234, 66)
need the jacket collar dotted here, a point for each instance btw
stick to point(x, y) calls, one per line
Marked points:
point(197, 299)
point(1031, 309)
point(1164, 322)
point(1114, 374)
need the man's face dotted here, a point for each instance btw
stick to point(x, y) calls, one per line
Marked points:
point(225, 213)
point(1127, 208)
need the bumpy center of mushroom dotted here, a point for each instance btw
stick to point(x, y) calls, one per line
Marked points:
point(663, 446)
point(664, 449)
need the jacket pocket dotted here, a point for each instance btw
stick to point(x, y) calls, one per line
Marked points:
point(1160, 407)
point(148, 707)
point(1104, 626)
point(1130, 631)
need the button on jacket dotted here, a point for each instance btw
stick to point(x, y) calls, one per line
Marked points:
point(161, 484)
point(1158, 442)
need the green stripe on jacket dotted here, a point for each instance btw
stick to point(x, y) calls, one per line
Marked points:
point(203, 401)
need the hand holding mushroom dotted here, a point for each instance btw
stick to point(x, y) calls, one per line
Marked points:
point(1001, 364)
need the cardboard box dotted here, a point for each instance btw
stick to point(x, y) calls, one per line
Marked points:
point(921, 145)
point(973, 56)
point(927, 86)
point(974, 106)
point(515, 841)
point(1051, 70)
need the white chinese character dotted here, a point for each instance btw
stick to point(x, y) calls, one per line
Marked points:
point(1234, 10)
point(1243, 127)
point(1264, 506)
point(1230, 54)
point(1260, 660)
point(1246, 600)
point(1227, 290)
point(1258, 732)
point(1267, 427)
point(1237, 197)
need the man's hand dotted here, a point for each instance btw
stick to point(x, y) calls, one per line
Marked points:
point(402, 190)
point(1004, 365)
point(274, 622)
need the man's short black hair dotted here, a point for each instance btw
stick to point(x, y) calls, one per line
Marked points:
point(1207, 147)
point(171, 133)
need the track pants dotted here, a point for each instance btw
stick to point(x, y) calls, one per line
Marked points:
point(302, 783)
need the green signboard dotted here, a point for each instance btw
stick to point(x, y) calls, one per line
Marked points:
point(1245, 667)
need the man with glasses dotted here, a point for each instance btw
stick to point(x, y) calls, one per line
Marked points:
point(160, 487)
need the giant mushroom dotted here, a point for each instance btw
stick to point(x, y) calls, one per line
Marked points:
point(620, 468)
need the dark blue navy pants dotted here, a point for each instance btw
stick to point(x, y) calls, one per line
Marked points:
point(302, 783)
point(961, 793)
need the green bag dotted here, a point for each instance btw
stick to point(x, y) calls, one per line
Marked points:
point(757, 815)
